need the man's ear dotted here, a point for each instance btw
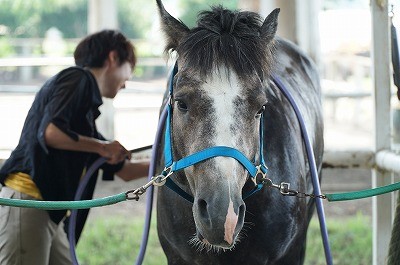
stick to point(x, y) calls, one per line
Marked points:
point(113, 58)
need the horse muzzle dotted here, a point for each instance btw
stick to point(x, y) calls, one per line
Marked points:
point(218, 222)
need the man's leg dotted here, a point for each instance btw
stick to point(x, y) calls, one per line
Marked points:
point(25, 237)
point(60, 254)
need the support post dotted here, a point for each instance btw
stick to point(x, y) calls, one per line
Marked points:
point(103, 15)
point(381, 205)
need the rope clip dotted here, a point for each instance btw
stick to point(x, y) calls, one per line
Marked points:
point(134, 194)
point(284, 189)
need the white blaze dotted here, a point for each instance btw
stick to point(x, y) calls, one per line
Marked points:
point(230, 223)
point(224, 89)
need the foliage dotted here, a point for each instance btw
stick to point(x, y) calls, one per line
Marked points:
point(117, 240)
point(6, 49)
point(136, 17)
point(191, 8)
point(33, 18)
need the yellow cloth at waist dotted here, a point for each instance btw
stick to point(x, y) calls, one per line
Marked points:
point(23, 183)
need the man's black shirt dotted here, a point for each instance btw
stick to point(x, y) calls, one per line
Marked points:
point(70, 100)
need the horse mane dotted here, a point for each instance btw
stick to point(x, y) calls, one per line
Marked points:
point(227, 38)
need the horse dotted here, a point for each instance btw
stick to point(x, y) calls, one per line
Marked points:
point(223, 90)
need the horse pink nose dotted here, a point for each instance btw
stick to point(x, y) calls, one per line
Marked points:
point(219, 225)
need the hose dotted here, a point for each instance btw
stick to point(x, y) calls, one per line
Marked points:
point(82, 185)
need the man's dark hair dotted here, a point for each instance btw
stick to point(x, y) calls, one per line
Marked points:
point(93, 50)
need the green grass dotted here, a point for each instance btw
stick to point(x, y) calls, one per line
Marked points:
point(350, 240)
point(116, 240)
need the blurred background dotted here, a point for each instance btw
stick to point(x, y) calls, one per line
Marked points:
point(37, 39)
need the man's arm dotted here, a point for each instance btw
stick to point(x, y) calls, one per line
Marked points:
point(133, 170)
point(113, 151)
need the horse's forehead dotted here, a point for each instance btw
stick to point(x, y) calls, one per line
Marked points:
point(224, 88)
point(224, 84)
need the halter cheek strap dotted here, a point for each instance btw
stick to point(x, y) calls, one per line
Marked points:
point(224, 151)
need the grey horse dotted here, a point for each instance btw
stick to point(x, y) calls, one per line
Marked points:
point(222, 90)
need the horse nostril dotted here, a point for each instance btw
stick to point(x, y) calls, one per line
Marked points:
point(242, 210)
point(202, 206)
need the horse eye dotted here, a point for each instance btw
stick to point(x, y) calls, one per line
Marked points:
point(182, 105)
point(260, 111)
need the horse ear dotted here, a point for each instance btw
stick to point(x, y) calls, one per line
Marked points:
point(174, 30)
point(270, 25)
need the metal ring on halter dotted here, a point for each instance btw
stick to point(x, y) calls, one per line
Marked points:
point(162, 178)
point(260, 176)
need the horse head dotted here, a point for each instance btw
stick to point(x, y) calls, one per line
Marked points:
point(218, 99)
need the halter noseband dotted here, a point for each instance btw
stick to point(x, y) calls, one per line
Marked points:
point(224, 151)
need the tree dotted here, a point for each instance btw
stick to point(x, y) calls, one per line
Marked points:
point(135, 17)
point(191, 8)
point(34, 17)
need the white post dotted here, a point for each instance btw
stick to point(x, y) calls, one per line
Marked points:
point(307, 27)
point(298, 22)
point(103, 15)
point(381, 205)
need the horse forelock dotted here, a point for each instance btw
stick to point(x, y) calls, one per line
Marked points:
point(230, 39)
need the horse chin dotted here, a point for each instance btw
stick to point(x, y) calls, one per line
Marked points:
point(202, 244)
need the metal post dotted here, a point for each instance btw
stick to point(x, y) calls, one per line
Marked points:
point(381, 205)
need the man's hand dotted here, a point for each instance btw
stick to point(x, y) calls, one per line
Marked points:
point(114, 152)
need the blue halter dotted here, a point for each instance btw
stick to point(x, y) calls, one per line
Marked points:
point(172, 166)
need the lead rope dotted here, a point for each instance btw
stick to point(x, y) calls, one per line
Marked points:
point(313, 170)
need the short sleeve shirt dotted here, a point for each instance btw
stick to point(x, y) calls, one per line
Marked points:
point(70, 100)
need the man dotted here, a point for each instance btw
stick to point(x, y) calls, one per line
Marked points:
point(59, 141)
